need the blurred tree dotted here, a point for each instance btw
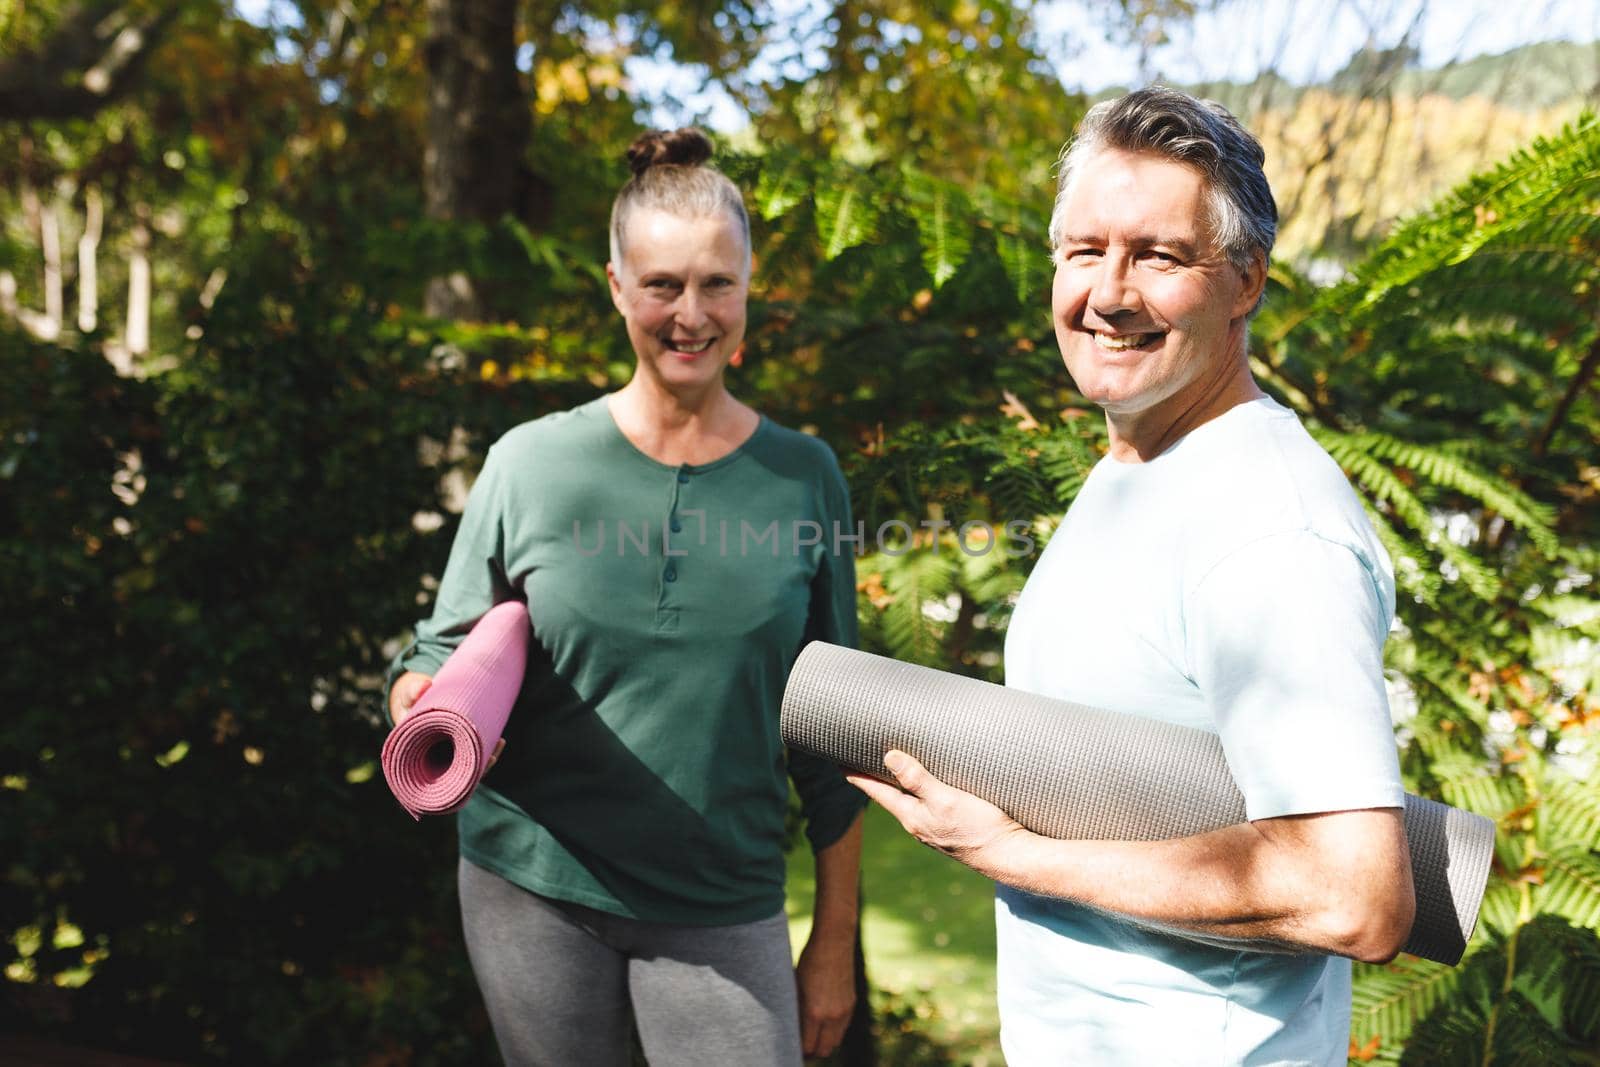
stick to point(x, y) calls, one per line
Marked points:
point(958, 88)
point(477, 131)
point(90, 56)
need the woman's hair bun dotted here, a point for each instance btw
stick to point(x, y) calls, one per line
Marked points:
point(687, 147)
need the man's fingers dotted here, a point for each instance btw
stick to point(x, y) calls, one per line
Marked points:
point(499, 747)
point(912, 776)
point(893, 799)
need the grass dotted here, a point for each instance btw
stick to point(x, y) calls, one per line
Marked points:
point(928, 934)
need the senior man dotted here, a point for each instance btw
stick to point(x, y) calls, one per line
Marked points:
point(1216, 570)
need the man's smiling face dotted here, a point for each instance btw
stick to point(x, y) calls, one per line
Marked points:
point(1148, 311)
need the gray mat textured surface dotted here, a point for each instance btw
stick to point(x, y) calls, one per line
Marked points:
point(1073, 772)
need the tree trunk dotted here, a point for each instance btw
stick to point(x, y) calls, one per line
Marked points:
point(88, 244)
point(95, 54)
point(478, 130)
point(136, 332)
point(50, 245)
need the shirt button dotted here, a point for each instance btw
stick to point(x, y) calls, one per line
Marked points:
point(677, 526)
point(671, 575)
point(683, 477)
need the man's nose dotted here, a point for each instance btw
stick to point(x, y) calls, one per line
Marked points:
point(1114, 292)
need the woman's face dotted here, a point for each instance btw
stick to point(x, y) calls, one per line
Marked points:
point(681, 288)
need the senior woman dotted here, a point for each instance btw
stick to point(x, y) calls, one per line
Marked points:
point(624, 858)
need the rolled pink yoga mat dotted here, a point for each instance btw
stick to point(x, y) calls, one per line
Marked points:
point(436, 757)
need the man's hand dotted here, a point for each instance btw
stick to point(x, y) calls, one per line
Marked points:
point(941, 816)
point(404, 694)
point(826, 980)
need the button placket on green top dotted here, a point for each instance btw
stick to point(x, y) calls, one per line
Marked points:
point(667, 602)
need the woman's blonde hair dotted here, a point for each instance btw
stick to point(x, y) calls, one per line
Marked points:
point(669, 175)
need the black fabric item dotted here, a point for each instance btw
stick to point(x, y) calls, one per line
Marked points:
point(1073, 772)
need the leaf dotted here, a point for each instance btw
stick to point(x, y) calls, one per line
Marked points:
point(920, 582)
point(1572, 887)
point(1570, 816)
point(783, 184)
point(846, 214)
point(1389, 1000)
point(942, 214)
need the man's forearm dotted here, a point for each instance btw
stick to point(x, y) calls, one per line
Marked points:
point(1337, 883)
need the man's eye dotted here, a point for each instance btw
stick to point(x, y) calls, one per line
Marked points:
point(1079, 254)
point(1160, 259)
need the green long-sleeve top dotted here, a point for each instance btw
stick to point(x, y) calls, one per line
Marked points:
point(643, 772)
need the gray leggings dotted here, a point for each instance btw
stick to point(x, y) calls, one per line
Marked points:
point(559, 979)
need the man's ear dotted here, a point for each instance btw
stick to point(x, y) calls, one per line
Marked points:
point(1254, 278)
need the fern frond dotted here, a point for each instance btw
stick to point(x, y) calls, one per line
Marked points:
point(1559, 968)
point(1388, 1001)
point(1490, 795)
point(920, 582)
point(943, 217)
point(1500, 911)
point(784, 183)
point(1351, 451)
point(1411, 574)
point(1021, 244)
point(1572, 887)
point(1569, 816)
point(1448, 469)
point(847, 212)
point(1563, 168)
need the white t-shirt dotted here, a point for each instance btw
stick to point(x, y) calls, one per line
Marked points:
point(1233, 584)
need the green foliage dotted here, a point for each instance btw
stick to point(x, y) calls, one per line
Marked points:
point(846, 215)
point(943, 222)
point(1451, 376)
point(189, 755)
point(205, 565)
point(1530, 996)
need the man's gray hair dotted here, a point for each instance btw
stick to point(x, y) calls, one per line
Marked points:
point(1184, 129)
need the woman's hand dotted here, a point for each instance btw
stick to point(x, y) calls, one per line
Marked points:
point(826, 974)
point(404, 694)
point(826, 980)
point(407, 690)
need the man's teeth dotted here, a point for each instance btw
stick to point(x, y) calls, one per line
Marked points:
point(1123, 341)
point(691, 347)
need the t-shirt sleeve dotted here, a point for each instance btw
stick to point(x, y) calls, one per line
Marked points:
point(1285, 639)
point(828, 803)
point(474, 578)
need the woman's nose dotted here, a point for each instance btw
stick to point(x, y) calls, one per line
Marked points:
point(691, 311)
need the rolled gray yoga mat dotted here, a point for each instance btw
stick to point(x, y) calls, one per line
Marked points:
point(1073, 772)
